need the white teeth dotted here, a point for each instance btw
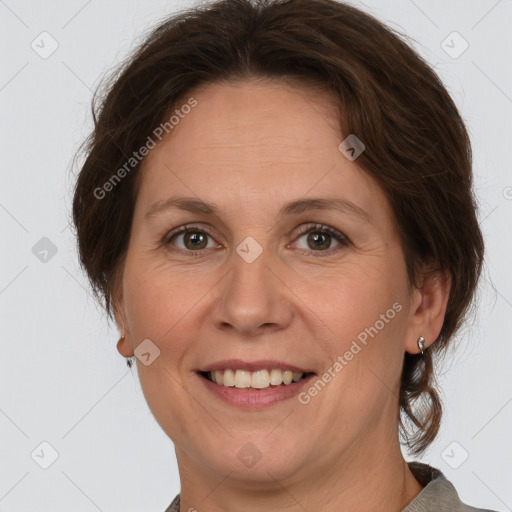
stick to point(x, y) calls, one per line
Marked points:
point(242, 379)
point(228, 378)
point(276, 377)
point(260, 379)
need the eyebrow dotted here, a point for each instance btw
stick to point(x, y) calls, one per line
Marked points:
point(296, 207)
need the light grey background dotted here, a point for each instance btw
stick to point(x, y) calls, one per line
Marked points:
point(61, 378)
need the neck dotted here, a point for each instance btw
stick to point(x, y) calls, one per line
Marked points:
point(364, 480)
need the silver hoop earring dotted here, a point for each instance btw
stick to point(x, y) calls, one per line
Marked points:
point(421, 344)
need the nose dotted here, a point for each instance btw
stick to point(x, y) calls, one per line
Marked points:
point(253, 298)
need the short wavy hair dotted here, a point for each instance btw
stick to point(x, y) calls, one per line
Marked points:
point(417, 147)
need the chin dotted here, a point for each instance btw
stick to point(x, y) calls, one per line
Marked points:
point(258, 459)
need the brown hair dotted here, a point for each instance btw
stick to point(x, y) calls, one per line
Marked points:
point(417, 147)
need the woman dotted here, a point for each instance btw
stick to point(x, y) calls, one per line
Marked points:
point(277, 209)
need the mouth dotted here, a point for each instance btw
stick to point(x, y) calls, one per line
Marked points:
point(254, 385)
point(266, 378)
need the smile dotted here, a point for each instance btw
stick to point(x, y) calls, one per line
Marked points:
point(261, 379)
point(254, 385)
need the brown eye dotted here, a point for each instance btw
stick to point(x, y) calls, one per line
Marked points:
point(190, 239)
point(319, 238)
point(195, 240)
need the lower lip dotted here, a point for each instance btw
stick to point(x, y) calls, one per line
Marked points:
point(255, 399)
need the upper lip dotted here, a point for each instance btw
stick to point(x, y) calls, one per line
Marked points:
point(253, 366)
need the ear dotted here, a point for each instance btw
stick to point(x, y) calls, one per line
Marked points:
point(428, 308)
point(124, 345)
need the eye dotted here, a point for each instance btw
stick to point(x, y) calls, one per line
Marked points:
point(319, 238)
point(194, 238)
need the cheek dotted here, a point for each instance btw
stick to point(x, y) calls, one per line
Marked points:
point(160, 307)
point(355, 303)
point(365, 315)
point(158, 300)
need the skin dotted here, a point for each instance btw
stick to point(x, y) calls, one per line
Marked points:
point(251, 147)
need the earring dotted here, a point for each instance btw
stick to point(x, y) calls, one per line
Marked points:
point(421, 344)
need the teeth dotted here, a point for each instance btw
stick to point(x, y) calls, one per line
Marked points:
point(260, 379)
point(242, 379)
point(228, 378)
point(218, 377)
point(276, 377)
point(287, 377)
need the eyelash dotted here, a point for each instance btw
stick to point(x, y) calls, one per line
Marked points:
point(309, 228)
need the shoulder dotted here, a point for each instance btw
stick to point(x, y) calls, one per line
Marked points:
point(175, 505)
point(438, 494)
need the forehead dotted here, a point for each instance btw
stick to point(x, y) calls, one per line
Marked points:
point(256, 142)
point(257, 121)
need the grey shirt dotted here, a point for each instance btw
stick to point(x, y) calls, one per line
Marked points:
point(437, 495)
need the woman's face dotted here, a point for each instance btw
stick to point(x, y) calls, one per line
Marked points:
point(257, 283)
